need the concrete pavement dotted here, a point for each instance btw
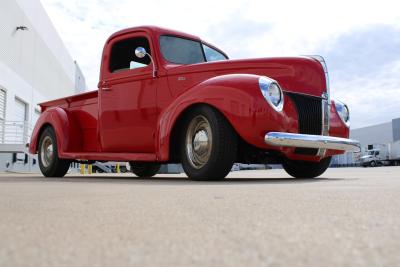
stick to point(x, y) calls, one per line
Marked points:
point(348, 217)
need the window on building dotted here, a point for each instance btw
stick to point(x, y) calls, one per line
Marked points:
point(123, 55)
point(3, 98)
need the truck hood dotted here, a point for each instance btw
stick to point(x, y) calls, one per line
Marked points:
point(366, 157)
point(295, 74)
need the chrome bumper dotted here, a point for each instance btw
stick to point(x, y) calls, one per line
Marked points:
point(311, 141)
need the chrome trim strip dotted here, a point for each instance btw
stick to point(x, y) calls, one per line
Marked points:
point(325, 123)
point(321, 60)
point(311, 141)
point(326, 102)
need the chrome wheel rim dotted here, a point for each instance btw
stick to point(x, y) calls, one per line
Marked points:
point(198, 142)
point(47, 151)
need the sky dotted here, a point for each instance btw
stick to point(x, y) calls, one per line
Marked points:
point(360, 40)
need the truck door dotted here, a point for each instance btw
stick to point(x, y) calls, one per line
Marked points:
point(127, 97)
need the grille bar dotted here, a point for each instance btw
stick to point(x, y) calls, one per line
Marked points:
point(309, 110)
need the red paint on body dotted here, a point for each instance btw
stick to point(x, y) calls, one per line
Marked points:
point(131, 116)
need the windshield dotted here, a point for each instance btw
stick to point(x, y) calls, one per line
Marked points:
point(184, 51)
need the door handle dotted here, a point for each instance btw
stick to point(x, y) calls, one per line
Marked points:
point(104, 86)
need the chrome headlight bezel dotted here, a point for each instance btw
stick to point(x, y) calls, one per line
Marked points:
point(343, 111)
point(266, 85)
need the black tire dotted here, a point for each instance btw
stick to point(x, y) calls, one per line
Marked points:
point(51, 166)
point(305, 169)
point(144, 169)
point(372, 164)
point(207, 160)
point(98, 170)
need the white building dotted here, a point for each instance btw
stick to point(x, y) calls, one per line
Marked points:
point(383, 133)
point(377, 134)
point(35, 66)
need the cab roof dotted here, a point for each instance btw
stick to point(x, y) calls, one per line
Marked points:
point(153, 30)
point(157, 31)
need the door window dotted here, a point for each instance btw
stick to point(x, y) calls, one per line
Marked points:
point(123, 56)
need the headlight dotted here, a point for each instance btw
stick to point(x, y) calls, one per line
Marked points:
point(343, 111)
point(272, 92)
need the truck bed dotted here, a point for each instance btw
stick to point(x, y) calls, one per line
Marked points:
point(82, 109)
point(72, 101)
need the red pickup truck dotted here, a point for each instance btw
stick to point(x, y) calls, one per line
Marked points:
point(169, 97)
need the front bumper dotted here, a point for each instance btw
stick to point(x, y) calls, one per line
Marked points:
point(311, 141)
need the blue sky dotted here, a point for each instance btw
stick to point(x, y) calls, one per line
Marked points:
point(360, 40)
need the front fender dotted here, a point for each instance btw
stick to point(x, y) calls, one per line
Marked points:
point(237, 97)
point(63, 126)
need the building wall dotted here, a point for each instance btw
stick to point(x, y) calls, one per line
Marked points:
point(36, 55)
point(380, 133)
point(35, 66)
point(80, 81)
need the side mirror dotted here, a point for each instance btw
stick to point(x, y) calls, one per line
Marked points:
point(140, 52)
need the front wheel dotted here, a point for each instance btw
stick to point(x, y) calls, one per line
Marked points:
point(49, 162)
point(208, 145)
point(144, 169)
point(306, 169)
point(372, 164)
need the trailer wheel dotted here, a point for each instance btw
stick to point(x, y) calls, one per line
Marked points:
point(49, 162)
point(208, 145)
point(144, 169)
point(304, 169)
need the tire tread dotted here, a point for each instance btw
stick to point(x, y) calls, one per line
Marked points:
point(304, 169)
point(224, 147)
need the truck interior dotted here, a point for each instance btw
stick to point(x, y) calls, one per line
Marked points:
point(123, 55)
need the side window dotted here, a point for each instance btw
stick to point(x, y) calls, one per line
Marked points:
point(212, 54)
point(123, 55)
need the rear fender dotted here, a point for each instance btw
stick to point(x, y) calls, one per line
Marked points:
point(67, 132)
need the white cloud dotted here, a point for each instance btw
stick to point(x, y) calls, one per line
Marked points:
point(247, 29)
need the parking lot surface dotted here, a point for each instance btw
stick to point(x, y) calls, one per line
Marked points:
point(348, 217)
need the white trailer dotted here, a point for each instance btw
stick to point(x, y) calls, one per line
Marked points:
point(381, 154)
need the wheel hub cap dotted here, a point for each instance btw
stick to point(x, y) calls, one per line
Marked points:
point(47, 151)
point(198, 142)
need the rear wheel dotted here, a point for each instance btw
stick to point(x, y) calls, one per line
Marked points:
point(49, 162)
point(208, 145)
point(144, 169)
point(306, 169)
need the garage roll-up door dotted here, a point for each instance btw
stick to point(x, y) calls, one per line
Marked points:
point(20, 110)
point(20, 130)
